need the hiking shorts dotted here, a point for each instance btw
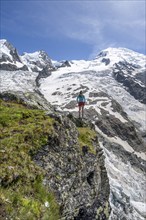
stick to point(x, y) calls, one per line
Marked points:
point(81, 104)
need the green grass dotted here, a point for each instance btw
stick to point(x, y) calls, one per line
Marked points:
point(86, 137)
point(22, 132)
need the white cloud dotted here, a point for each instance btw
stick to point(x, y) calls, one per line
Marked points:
point(98, 23)
point(104, 23)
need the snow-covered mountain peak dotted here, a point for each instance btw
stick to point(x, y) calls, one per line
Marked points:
point(9, 57)
point(36, 61)
point(120, 51)
point(2, 41)
point(5, 42)
point(7, 49)
point(30, 57)
point(35, 56)
point(3, 46)
point(116, 55)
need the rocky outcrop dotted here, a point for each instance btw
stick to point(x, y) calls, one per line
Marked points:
point(77, 176)
point(75, 171)
point(124, 150)
point(134, 84)
point(106, 61)
point(12, 51)
point(9, 58)
point(38, 62)
point(35, 62)
point(45, 72)
point(63, 63)
point(31, 99)
point(12, 67)
point(112, 126)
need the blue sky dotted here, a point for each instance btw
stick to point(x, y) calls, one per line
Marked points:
point(74, 29)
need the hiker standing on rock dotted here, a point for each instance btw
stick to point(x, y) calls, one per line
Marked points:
point(81, 103)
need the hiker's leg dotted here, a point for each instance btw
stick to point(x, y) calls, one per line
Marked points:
point(79, 111)
point(82, 111)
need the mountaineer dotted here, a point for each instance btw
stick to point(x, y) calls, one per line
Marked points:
point(81, 103)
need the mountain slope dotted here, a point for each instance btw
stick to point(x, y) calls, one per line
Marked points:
point(129, 68)
point(114, 86)
point(38, 62)
point(23, 131)
point(118, 117)
point(50, 168)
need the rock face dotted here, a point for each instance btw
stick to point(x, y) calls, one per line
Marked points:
point(63, 63)
point(135, 84)
point(77, 176)
point(9, 58)
point(45, 72)
point(74, 172)
point(32, 99)
point(38, 61)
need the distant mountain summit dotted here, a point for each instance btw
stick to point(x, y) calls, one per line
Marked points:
point(121, 54)
point(34, 62)
point(37, 61)
point(9, 58)
point(129, 69)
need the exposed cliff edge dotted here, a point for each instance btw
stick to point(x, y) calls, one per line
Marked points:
point(50, 151)
point(76, 173)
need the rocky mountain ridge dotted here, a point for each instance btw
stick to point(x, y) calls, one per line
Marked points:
point(9, 58)
point(69, 158)
point(110, 82)
point(77, 172)
point(38, 61)
point(128, 67)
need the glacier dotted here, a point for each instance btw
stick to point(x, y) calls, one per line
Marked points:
point(107, 100)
